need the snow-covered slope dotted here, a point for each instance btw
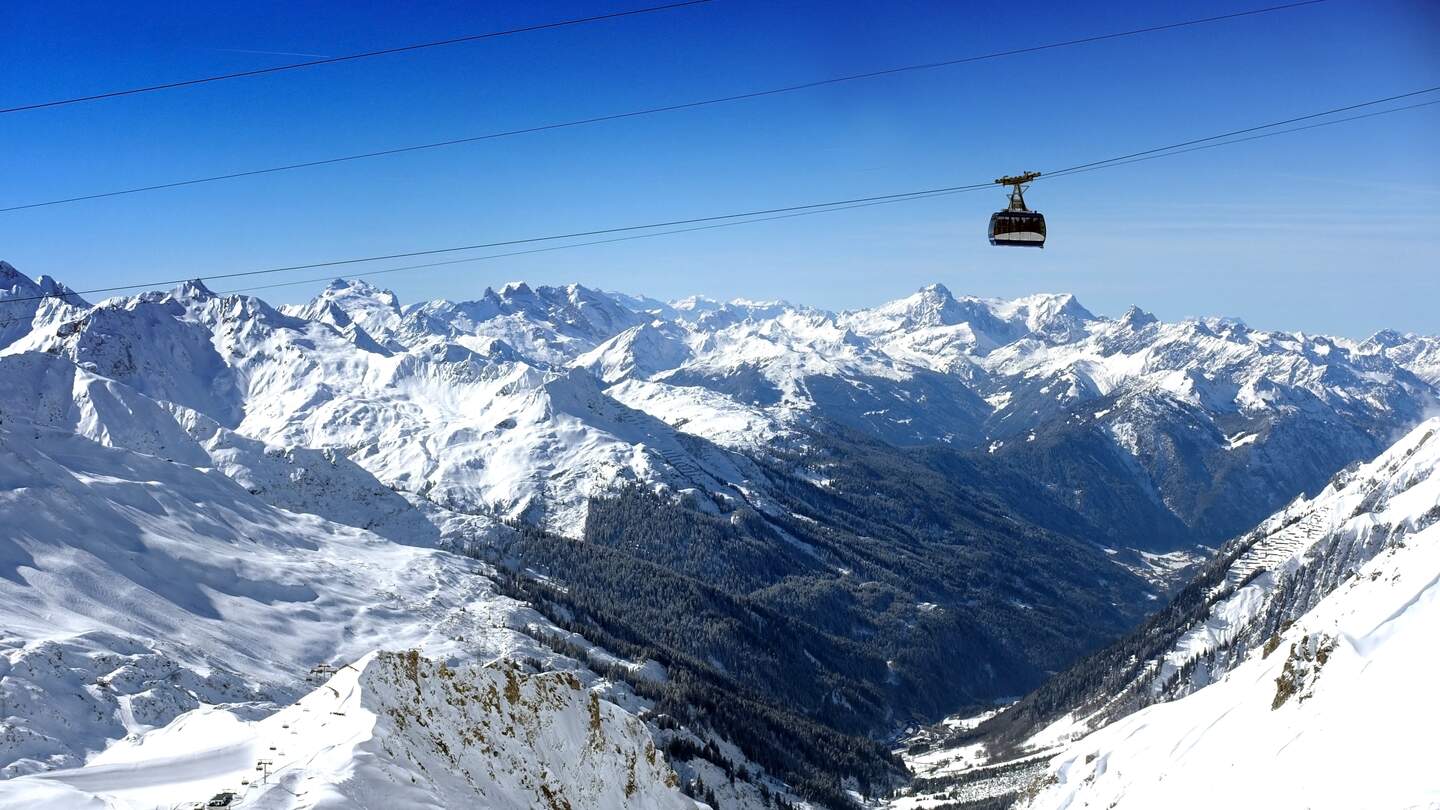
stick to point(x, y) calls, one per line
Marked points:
point(392, 730)
point(638, 352)
point(1333, 708)
point(167, 584)
point(1289, 674)
point(142, 580)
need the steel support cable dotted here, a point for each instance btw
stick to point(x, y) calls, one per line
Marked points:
point(330, 60)
point(399, 150)
point(766, 214)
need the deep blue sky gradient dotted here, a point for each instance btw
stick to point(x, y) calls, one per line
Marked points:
point(1333, 230)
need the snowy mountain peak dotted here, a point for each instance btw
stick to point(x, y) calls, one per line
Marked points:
point(639, 351)
point(369, 316)
point(15, 284)
point(343, 288)
point(1057, 316)
point(10, 277)
point(933, 305)
point(932, 298)
point(27, 302)
point(1137, 318)
point(577, 310)
point(1385, 339)
point(695, 304)
point(193, 290)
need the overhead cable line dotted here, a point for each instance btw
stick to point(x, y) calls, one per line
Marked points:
point(632, 237)
point(532, 239)
point(529, 251)
point(1234, 132)
point(330, 60)
point(1147, 156)
point(687, 105)
point(770, 213)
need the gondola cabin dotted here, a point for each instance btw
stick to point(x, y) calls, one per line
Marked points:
point(1017, 226)
point(1017, 229)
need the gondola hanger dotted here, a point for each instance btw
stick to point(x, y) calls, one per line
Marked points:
point(1017, 226)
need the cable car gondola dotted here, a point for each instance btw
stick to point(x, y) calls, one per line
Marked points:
point(1017, 226)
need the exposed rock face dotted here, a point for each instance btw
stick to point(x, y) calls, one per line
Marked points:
point(510, 740)
point(392, 730)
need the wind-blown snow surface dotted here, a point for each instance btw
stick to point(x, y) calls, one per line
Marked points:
point(394, 730)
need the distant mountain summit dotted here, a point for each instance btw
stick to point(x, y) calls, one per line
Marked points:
point(22, 300)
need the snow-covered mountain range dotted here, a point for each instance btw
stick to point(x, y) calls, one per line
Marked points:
point(483, 403)
point(1223, 422)
point(206, 496)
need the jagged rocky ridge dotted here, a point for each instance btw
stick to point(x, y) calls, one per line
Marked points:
point(392, 730)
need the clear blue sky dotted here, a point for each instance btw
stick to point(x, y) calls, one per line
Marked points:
point(1333, 230)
